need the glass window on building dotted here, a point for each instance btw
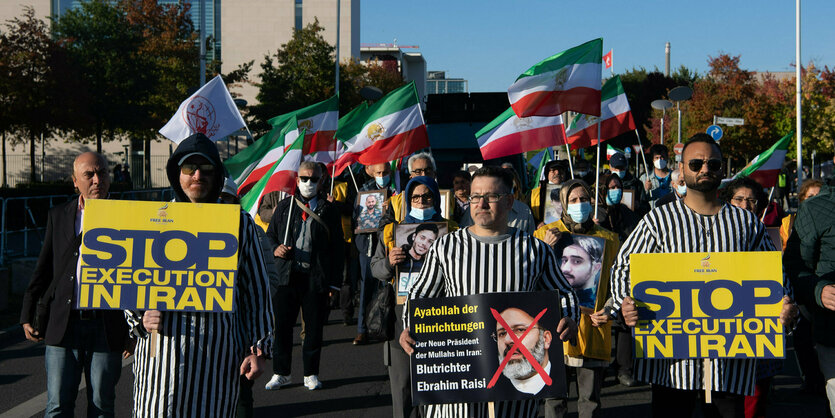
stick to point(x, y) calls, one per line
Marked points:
point(299, 15)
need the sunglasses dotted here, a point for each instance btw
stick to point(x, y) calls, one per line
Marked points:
point(417, 198)
point(189, 168)
point(305, 179)
point(713, 164)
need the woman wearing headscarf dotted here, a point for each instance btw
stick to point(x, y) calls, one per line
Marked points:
point(591, 355)
point(423, 204)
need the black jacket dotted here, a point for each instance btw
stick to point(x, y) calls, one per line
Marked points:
point(328, 253)
point(58, 261)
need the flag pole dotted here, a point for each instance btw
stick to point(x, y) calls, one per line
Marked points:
point(646, 168)
point(351, 172)
point(597, 172)
point(771, 193)
point(289, 216)
point(570, 166)
point(797, 100)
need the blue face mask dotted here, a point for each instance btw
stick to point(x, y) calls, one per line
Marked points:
point(422, 214)
point(579, 212)
point(614, 196)
point(383, 181)
point(620, 173)
point(682, 190)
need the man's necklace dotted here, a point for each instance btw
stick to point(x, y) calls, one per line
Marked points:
point(708, 230)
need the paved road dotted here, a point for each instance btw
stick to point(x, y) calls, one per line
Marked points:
point(355, 384)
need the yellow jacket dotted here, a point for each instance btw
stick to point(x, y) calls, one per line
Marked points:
point(340, 194)
point(396, 203)
point(592, 342)
point(535, 208)
point(786, 228)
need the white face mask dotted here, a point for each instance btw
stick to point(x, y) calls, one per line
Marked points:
point(307, 189)
point(660, 164)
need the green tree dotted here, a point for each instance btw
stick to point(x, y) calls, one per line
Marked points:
point(302, 73)
point(28, 58)
point(818, 107)
point(117, 79)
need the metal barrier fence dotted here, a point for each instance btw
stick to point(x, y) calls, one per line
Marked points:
point(52, 168)
point(24, 219)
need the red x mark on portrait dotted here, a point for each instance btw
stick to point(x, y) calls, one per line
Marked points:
point(517, 345)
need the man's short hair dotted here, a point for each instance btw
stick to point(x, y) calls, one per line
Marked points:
point(593, 247)
point(505, 176)
point(659, 149)
point(700, 137)
point(422, 155)
point(101, 159)
point(463, 175)
point(310, 165)
point(675, 176)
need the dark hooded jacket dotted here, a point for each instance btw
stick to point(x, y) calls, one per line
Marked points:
point(197, 143)
point(433, 187)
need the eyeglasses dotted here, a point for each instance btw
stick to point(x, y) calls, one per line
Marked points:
point(740, 200)
point(422, 171)
point(305, 179)
point(417, 198)
point(713, 164)
point(189, 168)
point(491, 197)
point(501, 333)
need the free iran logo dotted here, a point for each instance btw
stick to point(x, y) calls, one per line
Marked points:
point(200, 116)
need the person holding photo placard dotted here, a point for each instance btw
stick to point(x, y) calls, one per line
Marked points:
point(423, 204)
point(491, 257)
point(584, 259)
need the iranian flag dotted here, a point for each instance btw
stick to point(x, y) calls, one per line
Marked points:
point(280, 178)
point(610, 151)
point(319, 122)
point(240, 165)
point(765, 167)
point(566, 81)
point(391, 128)
point(509, 134)
point(287, 137)
point(615, 118)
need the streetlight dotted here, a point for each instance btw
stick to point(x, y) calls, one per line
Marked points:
point(678, 95)
point(662, 105)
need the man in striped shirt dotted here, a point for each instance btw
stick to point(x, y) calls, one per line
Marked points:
point(490, 257)
point(697, 223)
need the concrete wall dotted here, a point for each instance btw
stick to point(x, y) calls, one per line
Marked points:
point(10, 9)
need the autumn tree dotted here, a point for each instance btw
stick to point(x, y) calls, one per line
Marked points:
point(818, 107)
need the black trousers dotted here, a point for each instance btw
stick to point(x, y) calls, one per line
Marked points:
point(623, 346)
point(286, 304)
point(669, 402)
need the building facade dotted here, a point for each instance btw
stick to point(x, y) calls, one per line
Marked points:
point(437, 83)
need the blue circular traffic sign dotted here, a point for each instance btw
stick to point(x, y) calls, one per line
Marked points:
point(715, 132)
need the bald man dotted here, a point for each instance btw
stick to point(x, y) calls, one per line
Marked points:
point(77, 341)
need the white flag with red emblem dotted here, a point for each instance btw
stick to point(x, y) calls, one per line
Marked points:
point(209, 111)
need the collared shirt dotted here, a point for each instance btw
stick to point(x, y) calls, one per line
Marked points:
point(532, 384)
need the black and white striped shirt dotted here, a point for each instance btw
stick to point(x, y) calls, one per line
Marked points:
point(460, 264)
point(675, 228)
point(200, 353)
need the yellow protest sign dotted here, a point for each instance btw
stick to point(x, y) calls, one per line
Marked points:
point(698, 305)
point(158, 255)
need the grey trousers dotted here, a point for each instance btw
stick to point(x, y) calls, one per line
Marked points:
point(589, 383)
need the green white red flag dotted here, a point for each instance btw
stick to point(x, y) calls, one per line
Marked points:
point(240, 165)
point(389, 129)
point(610, 151)
point(509, 134)
point(765, 167)
point(615, 118)
point(286, 138)
point(319, 121)
point(569, 80)
point(281, 177)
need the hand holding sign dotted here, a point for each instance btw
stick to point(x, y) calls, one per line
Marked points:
point(407, 342)
point(567, 329)
point(828, 297)
point(788, 314)
point(630, 312)
point(151, 320)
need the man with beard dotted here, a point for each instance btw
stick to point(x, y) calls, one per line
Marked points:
point(697, 223)
point(519, 370)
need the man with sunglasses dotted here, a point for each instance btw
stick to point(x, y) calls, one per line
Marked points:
point(309, 265)
point(699, 222)
point(464, 262)
point(202, 354)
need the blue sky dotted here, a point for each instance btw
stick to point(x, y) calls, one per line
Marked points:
point(491, 42)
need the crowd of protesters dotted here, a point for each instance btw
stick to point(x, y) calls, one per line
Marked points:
point(338, 251)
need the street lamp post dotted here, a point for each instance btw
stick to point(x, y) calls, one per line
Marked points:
point(662, 105)
point(678, 95)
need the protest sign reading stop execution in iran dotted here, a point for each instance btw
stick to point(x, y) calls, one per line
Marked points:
point(166, 256)
point(488, 347)
point(698, 305)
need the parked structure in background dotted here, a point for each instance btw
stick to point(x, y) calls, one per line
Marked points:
point(438, 83)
